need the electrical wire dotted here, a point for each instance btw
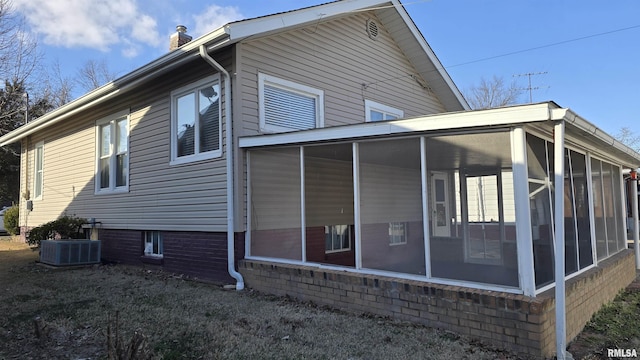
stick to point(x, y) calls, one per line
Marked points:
point(514, 52)
point(544, 46)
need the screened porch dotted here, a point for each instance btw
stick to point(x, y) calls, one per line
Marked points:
point(471, 206)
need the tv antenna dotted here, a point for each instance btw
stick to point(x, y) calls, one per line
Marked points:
point(531, 88)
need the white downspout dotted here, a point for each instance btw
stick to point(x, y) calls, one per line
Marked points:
point(230, 193)
point(634, 216)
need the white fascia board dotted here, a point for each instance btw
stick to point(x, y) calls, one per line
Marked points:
point(262, 25)
point(574, 120)
point(174, 58)
point(449, 121)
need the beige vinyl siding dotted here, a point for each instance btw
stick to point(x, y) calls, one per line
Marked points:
point(329, 192)
point(275, 189)
point(187, 197)
point(390, 194)
point(64, 173)
point(337, 57)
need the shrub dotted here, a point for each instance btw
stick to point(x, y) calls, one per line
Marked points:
point(11, 219)
point(65, 227)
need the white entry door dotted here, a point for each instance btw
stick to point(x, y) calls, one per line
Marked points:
point(440, 210)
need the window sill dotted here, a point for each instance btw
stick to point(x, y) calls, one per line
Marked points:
point(122, 190)
point(336, 251)
point(398, 244)
point(195, 158)
point(154, 260)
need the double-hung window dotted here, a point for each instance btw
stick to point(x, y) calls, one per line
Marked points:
point(38, 174)
point(288, 106)
point(195, 121)
point(112, 165)
point(378, 112)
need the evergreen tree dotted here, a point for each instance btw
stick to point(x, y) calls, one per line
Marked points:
point(13, 109)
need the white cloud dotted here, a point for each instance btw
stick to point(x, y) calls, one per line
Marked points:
point(130, 52)
point(127, 26)
point(130, 49)
point(214, 17)
point(145, 31)
point(97, 24)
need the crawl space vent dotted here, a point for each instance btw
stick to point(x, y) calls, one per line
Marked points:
point(372, 29)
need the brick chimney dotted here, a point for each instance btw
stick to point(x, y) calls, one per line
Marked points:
point(179, 38)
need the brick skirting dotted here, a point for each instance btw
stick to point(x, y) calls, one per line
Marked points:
point(199, 255)
point(519, 323)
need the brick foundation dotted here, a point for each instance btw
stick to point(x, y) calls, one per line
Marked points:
point(200, 255)
point(519, 323)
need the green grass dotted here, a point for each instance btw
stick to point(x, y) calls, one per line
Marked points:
point(614, 326)
point(618, 321)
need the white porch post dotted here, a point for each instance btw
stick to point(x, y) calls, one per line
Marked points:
point(247, 238)
point(634, 216)
point(303, 214)
point(558, 157)
point(356, 203)
point(523, 225)
point(425, 206)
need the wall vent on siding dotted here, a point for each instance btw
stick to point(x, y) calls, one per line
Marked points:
point(372, 29)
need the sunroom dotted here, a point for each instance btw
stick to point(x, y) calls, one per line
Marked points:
point(453, 220)
point(460, 198)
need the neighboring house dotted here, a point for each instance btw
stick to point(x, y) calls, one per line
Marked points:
point(328, 149)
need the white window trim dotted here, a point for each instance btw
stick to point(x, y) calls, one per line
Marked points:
point(175, 94)
point(370, 105)
point(112, 119)
point(151, 254)
point(350, 238)
point(36, 170)
point(290, 86)
point(403, 237)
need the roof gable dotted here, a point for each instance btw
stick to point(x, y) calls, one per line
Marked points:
point(390, 12)
point(394, 18)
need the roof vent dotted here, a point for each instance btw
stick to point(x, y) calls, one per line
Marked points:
point(372, 29)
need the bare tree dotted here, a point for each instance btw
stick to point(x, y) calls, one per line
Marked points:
point(492, 93)
point(19, 56)
point(56, 87)
point(626, 136)
point(94, 74)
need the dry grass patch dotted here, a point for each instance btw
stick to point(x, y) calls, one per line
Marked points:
point(70, 314)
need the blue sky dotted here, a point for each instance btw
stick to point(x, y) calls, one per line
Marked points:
point(588, 51)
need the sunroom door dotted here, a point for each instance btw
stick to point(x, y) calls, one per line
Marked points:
point(484, 233)
point(441, 211)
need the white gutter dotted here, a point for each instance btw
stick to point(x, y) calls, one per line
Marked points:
point(122, 84)
point(589, 128)
point(231, 265)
